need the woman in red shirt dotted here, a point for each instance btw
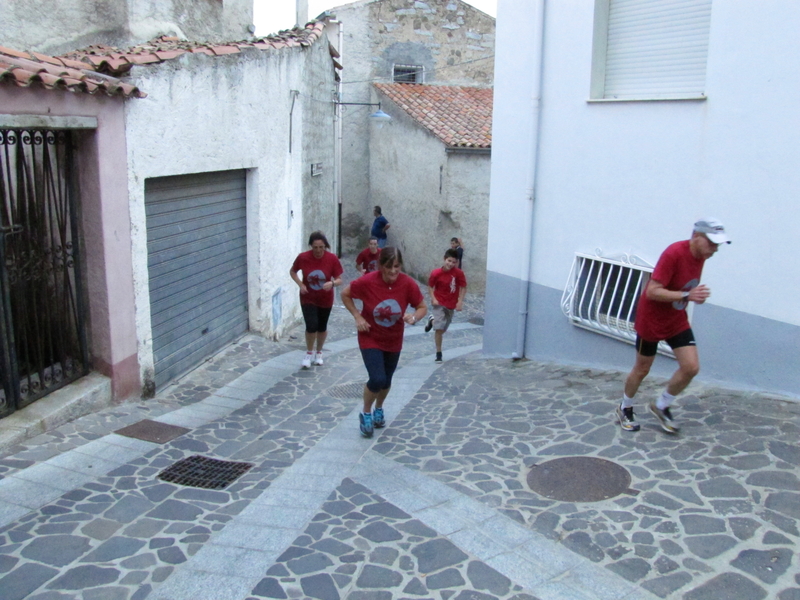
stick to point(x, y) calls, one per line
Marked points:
point(322, 272)
point(385, 293)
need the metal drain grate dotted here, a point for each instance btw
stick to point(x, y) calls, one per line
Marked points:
point(347, 390)
point(580, 479)
point(202, 472)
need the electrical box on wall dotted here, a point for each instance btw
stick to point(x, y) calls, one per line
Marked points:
point(316, 169)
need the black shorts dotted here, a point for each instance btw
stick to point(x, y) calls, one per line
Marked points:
point(684, 338)
point(316, 318)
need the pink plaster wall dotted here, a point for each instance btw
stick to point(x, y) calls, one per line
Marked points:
point(105, 224)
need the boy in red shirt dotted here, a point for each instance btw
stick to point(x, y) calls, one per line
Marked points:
point(447, 287)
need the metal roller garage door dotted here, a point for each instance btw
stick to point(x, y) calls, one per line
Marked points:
point(197, 262)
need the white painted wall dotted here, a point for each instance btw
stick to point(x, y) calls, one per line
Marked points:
point(58, 26)
point(218, 113)
point(634, 176)
point(429, 196)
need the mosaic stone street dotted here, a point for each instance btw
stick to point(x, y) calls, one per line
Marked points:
point(435, 506)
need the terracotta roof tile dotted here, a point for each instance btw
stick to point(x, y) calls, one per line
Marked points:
point(25, 69)
point(97, 68)
point(459, 116)
point(12, 52)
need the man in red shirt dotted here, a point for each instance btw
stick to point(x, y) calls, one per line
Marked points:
point(367, 259)
point(447, 287)
point(661, 315)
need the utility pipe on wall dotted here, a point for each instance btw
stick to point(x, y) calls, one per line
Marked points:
point(530, 186)
point(337, 159)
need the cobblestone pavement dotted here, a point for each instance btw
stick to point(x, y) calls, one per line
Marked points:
point(435, 506)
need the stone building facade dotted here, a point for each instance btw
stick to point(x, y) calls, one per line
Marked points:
point(439, 42)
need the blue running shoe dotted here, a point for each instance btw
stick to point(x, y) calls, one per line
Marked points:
point(377, 418)
point(366, 424)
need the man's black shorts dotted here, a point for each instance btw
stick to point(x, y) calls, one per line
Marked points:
point(684, 338)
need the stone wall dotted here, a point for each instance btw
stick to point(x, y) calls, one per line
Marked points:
point(453, 41)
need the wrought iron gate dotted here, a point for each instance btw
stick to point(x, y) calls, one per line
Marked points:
point(42, 319)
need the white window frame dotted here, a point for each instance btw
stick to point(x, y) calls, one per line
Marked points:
point(690, 36)
point(419, 73)
point(596, 282)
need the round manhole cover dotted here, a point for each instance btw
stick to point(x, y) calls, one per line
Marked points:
point(579, 479)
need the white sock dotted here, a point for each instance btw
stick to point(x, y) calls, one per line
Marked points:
point(626, 402)
point(665, 400)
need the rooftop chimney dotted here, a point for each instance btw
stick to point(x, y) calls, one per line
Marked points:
point(301, 12)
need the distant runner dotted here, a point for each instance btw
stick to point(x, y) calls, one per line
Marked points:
point(322, 271)
point(456, 244)
point(367, 259)
point(447, 287)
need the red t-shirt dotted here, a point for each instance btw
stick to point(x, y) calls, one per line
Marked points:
point(446, 285)
point(369, 260)
point(383, 309)
point(676, 270)
point(316, 271)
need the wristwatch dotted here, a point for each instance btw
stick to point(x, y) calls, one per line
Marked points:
point(685, 296)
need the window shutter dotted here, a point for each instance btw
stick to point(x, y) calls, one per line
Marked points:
point(657, 48)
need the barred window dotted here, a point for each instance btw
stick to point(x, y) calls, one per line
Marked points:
point(408, 74)
point(602, 295)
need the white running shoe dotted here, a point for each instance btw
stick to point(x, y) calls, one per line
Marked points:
point(318, 359)
point(306, 364)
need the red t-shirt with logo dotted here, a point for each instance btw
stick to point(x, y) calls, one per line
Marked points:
point(316, 271)
point(676, 270)
point(383, 309)
point(368, 259)
point(446, 285)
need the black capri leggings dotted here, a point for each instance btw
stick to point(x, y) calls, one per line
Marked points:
point(316, 318)
point(380, 368)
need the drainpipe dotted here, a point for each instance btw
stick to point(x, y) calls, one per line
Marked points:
point(530, 186)
point(337, 147)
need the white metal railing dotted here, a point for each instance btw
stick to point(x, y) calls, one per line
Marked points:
point(602, 294)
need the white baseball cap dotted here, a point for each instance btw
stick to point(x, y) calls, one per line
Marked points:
point(713, 229)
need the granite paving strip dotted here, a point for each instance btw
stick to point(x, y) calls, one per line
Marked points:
point(313, 476)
